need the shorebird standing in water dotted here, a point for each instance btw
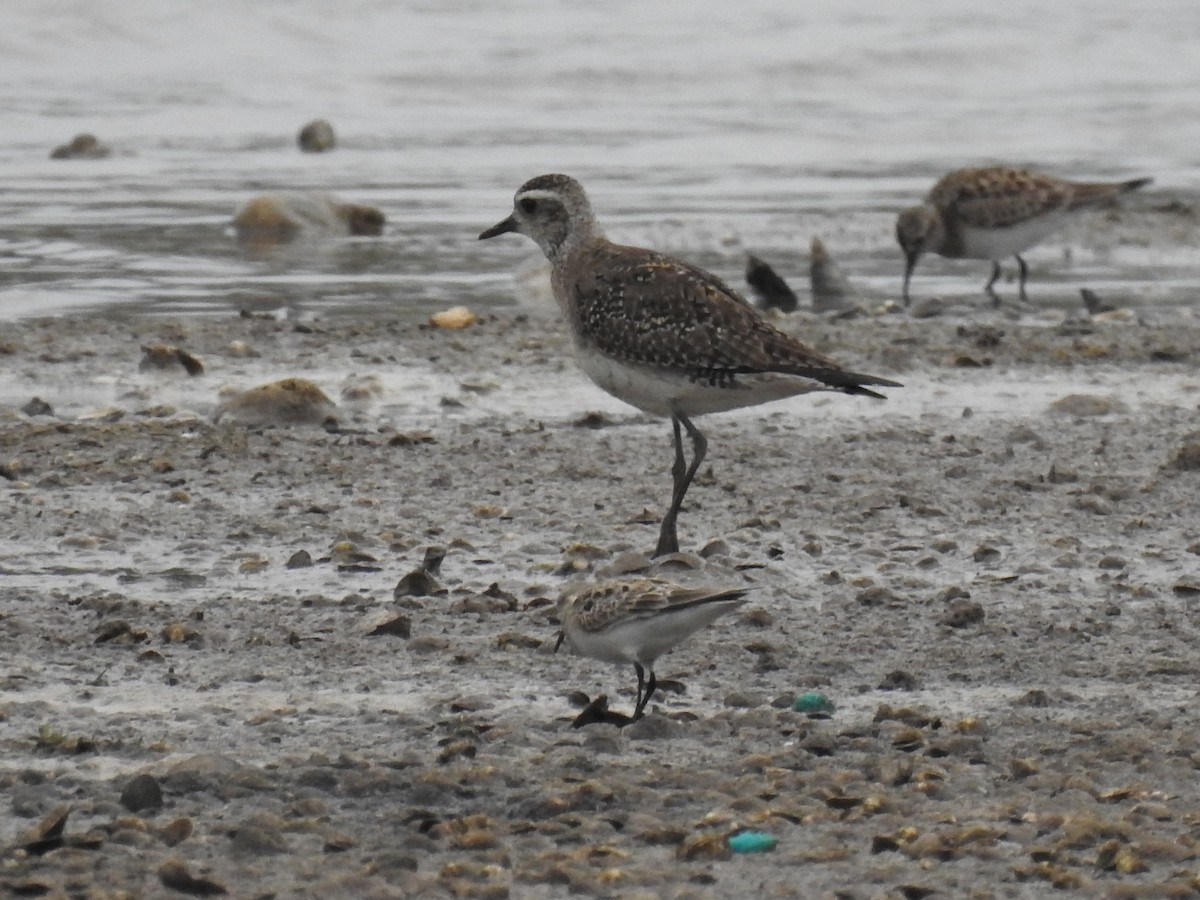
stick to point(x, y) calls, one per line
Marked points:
point(995, 212)
point(660, 334)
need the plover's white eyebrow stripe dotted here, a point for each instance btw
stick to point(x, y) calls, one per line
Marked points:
point(540, 195)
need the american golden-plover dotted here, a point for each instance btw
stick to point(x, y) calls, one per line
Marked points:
point(660, 334)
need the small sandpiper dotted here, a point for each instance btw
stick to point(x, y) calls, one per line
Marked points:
point(660, 334)
point(638, 621)
point(995, 212)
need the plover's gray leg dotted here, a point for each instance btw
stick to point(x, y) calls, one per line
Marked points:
point(1024, 274)
point(668, 538)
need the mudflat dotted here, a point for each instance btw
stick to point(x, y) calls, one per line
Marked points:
point(225, 666)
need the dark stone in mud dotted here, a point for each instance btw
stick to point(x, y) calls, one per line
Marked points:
point(876, 596)
point(399, 626)
point(1036, 698)
point(962, 613)
point(768, 287)
point(301, 559)
point(417, 583)
point(37, 407)
point(142, 792)
point(899, 680)
point(175, 875)
point(48, 834)
point(1187, 457)
point(256, 838)
point(319, 778)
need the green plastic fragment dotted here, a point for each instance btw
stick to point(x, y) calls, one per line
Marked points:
point(752, 842)
point(812, 702)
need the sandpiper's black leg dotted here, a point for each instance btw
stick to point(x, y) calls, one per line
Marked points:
point(1024, 275)
point(645, 690)
point(989, 289)
point(682, 475)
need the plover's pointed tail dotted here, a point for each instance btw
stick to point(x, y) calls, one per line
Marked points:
point(854, 383)
point(841, 380)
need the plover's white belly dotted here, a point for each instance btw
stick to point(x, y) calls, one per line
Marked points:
point(660, 391)
point(997, 243)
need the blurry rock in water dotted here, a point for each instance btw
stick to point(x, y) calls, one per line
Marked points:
point(771, 290)
point(830, 289)
point(361, 388)
point(1093, 304)
point(283, 216)
point(168, 357)
point(316, 137)
point(292, 401)
point(82, 146)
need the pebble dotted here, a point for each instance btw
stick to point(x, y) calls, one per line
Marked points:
point(141, 793)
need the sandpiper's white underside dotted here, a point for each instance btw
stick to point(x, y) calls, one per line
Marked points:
point(998, 243)
point(661, 392)
point(644, 638)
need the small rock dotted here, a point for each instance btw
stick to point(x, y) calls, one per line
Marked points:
point(771, 291)
point(37, 407)
point(963, 613)
point(831, 291)
point(48, 834)
point(289, 401)
point(399, 626)
point(455, 318)
point(700, 847)
point(1187, 457)
point(899, 680)
point(255, 838)
point(167, 357)
point(301, 559)
point(316, 136)
point(142, 792)
point(1086, 405)
point(175, 832)
point(174, 874)
point(744, 700)
point(876, 596)
point(82, 146)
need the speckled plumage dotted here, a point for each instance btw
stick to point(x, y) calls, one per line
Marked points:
point(637, 621)
point(660, 334)
point(994, 212)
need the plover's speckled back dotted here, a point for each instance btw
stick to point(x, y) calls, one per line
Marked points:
point(638, 621)
point(995, 212)
point(660, 334)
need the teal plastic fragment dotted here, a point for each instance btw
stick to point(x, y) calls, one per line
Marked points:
point(812, 702)
point(752, 842)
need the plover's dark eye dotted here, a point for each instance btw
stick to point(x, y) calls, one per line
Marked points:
point(588, 604)
point(528, 205)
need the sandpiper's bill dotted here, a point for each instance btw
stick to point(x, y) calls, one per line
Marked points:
point(995, 212)
point(638, 621)
point(660, 334)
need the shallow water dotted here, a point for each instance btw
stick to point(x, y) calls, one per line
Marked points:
point(703, 130)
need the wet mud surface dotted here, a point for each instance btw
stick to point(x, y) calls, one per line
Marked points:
point(223, 663)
